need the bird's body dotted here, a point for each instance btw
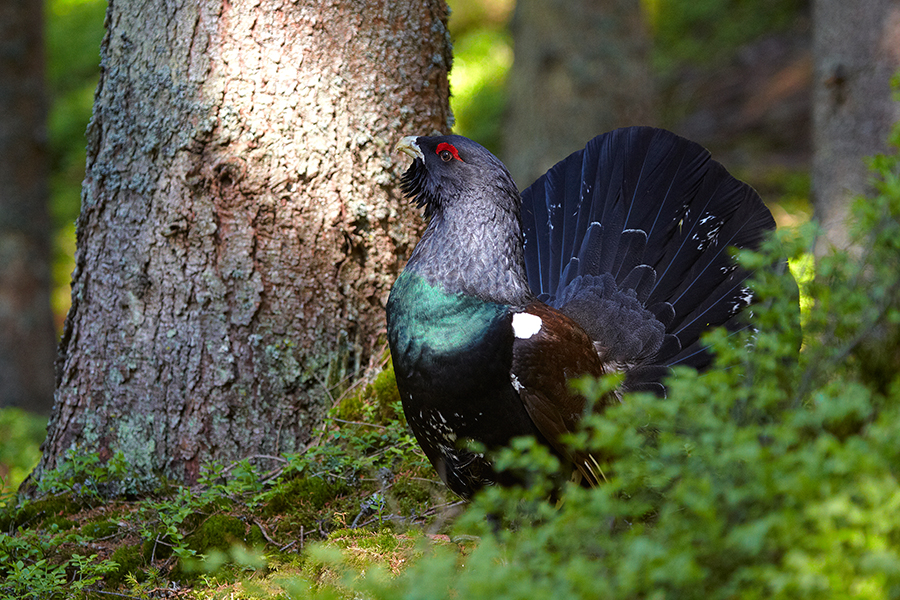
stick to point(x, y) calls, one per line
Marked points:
point(615, 260)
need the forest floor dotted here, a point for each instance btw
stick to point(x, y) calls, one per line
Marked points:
point(365, 490)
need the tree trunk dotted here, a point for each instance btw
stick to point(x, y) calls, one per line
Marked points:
point(856, 46)
point(27, 338)
point(581, 67)
point(241, 223)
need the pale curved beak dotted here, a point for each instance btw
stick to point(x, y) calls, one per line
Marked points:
point(409, 147)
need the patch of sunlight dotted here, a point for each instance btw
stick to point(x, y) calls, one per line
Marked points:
point(63, 265)
point(482, 59)
point(651, 12)
point(803, 270)
point(64, 7)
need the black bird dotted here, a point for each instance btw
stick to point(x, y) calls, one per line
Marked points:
point(616, 259)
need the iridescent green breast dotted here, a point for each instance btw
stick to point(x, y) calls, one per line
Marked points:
point(421, 315)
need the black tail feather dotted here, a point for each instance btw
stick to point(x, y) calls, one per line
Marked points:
point(653, 210)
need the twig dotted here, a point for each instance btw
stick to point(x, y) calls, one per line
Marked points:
point(362, 511)
point(292, 542)
point(327, 391)
point(118, 595)
point(153, 553)
point(264, 534)
point(358, 423)
point(435, 509)
point(251, 457)
point(401, 518)
point(382, 518)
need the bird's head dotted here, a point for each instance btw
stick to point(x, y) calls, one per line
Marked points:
point(450, 169)
point(473, 242)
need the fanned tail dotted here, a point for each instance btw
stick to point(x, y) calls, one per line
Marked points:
point(630, 237)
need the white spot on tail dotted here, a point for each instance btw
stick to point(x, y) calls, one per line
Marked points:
point(526, 325)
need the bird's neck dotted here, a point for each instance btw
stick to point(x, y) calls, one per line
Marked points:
point(476, 252)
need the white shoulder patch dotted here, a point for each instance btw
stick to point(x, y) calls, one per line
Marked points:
point(526, 325)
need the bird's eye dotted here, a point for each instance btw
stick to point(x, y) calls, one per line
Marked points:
point(447, 152)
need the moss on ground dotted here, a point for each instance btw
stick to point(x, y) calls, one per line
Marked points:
point(376, 403)
point(100, 529)
point(218, 532)
point(302, 494)
point(43, 512)
point(130, 561)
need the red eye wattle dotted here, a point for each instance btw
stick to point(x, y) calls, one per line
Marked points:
point(447, 152)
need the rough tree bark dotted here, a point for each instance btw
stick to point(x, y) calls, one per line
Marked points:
point(581, 68)
point(241, 224)
point(27, 338)
point(856, 47)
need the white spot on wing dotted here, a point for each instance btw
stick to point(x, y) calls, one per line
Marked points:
point(526, 325)
point(515, 382)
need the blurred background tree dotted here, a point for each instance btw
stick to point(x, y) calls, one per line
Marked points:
point(27, 347)
point(581, 67)
point(734, 75)
point(49, 66)
point(857, 51)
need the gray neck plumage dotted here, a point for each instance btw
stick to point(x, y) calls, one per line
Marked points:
point(476, 251)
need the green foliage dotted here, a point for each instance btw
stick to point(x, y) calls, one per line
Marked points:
point(21, 434)
point(482, 57)
point(481, 62)
point(73, 30)
point(87, 478)
point(371, 426)
point(29, 570)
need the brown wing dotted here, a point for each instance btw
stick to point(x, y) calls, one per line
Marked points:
point(550, 349)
